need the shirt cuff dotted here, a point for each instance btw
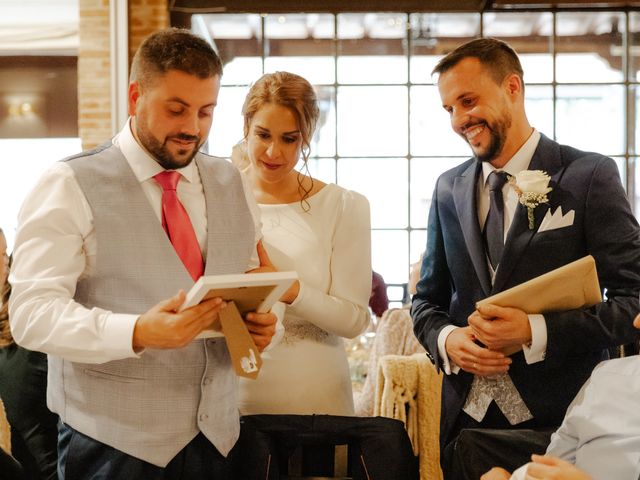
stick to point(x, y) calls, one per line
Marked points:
point(537, 351)
point(447, 365)
point(119, 334)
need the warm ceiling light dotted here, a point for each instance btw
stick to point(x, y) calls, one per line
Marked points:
point(26, 108)
point(20, 109)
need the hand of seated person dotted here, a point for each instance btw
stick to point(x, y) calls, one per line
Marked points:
point(542, 467)
point(496, 473)
point(548, 467)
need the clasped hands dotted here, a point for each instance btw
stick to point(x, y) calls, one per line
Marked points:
point(497, 328)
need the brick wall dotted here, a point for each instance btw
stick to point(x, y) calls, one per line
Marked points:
point(94, 97)
point(145, 17)
point(94, 75)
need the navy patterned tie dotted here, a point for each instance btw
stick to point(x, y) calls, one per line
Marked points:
point(498, 388)
point(493, 233)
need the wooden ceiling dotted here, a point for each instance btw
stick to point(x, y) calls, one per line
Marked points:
point(338, 6)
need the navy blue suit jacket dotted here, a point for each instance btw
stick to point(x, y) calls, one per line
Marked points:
point(455, 275)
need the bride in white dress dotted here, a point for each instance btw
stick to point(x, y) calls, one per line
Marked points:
point(321, 231)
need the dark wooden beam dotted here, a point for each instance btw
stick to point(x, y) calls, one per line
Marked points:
point(600, 44)
point(571, 4)
point(325, 6)
point(37, 61)
point(180, 19)
point(338, 6)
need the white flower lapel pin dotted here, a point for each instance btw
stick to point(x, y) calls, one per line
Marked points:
point(532, 187)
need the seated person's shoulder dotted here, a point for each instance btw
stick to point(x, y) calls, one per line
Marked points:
point(623, 367)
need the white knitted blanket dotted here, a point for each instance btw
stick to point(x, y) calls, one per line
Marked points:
point(408, 389)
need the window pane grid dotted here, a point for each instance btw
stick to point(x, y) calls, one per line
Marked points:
point(383, 107)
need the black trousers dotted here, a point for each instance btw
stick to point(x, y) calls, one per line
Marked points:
point(10, 469)
point(480, 446)
point(379, 448)
point(81, 458)
point(34, 431)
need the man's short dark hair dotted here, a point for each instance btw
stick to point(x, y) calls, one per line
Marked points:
point(174, 49)
point(497, 56)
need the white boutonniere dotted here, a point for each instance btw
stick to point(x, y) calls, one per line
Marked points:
point(532, 187)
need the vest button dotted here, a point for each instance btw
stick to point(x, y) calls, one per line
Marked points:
point(204, 417)
point(207, 380)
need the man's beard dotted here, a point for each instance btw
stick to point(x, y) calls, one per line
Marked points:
point(498, 132)
point(161, 153)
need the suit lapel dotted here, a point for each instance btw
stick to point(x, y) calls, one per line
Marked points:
point(547, 158)
point(464, 194)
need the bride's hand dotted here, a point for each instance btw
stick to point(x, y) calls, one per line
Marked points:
point(267, 266)
point(265, 261)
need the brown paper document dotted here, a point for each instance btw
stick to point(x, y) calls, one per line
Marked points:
point(571, 286)
point(245, 356)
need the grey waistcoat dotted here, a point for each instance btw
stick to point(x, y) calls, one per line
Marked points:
point(151, 407)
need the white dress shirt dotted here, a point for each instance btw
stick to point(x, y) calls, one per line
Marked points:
point(600, 433)
point(520, 161)
point(56, 246)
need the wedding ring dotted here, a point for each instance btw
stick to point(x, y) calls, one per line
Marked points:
point(475, 366)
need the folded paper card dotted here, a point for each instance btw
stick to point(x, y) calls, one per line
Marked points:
point(571, 286)
point(250, 292)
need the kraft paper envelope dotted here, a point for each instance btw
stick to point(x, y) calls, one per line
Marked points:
point(571, 286)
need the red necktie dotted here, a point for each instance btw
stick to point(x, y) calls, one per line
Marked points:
point(176, 223)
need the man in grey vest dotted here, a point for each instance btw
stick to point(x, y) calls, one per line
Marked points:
point(99, 275)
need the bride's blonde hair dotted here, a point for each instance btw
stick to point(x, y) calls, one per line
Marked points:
point(295, 93)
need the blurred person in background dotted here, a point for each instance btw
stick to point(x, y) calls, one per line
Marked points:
point(23, 390)
point(378, 301)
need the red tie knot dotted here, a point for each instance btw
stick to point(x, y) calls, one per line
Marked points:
point(168, 179)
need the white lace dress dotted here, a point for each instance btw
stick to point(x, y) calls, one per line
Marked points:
point(330, 248)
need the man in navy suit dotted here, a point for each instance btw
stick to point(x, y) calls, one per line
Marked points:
point(583, 210)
